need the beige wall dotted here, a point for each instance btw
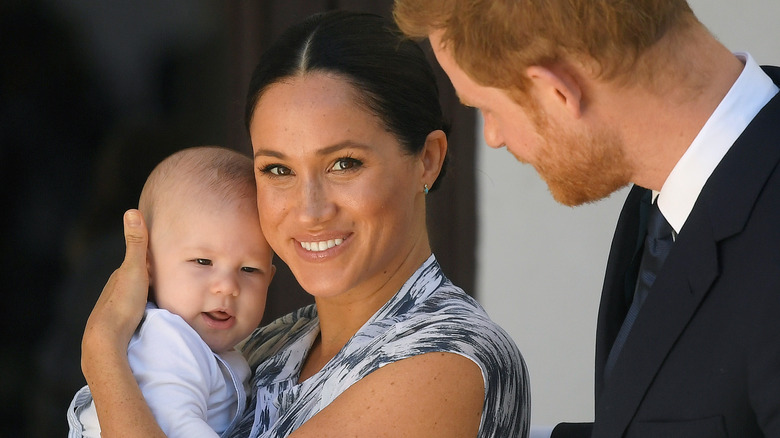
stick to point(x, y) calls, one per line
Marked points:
point(541, 264)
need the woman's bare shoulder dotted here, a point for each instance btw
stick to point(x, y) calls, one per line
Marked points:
point(433, 395)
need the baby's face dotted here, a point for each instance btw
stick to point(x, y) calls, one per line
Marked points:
point(211, 265)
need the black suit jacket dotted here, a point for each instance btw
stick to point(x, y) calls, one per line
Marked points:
point(703, 358)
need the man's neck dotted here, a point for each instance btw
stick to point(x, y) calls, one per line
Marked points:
point(659, 122)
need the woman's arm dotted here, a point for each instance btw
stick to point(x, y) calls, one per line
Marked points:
point(121, 408)
point(430, 395)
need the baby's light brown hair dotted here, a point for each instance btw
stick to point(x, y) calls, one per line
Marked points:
point(198, 173)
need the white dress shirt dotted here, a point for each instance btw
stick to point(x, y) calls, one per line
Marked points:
point(752, 90)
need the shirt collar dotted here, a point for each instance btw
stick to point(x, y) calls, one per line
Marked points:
point(751, 91)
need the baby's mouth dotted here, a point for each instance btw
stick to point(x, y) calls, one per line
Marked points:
point(218, 315)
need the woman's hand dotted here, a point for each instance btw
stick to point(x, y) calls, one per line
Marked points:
point(121, 408)
point(120, 307)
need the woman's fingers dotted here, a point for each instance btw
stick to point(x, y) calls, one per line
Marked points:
point(130, 287)
point(136, 245)
point(120, 307)
point(119, 402)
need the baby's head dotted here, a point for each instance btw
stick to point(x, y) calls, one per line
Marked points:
point(208, 260)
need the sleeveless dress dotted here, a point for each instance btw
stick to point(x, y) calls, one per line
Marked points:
point(429, 314)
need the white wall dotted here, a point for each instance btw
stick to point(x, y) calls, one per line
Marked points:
point(541, 265)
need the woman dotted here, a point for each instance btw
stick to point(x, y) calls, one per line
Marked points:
point(347, 136)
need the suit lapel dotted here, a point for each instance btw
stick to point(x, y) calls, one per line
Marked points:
point(621, 274)
point(691, 268)
point(671, 304)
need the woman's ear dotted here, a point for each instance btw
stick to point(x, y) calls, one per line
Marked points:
point(556, 89)
point(432, 156)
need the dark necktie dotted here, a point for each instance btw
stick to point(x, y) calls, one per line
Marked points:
point(658, 242)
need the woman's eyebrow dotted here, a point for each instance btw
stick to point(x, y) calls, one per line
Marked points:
point(348, 144)
point(268, 153)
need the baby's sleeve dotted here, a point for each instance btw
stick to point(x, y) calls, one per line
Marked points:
point(177, 373)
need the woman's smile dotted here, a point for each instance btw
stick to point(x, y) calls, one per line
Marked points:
point(320, 249)
point(322, 245)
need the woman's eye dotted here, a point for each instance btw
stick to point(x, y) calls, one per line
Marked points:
point(204, 262)
point(346, 164)
point(276, 170)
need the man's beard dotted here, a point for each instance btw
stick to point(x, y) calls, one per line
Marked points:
point(580, 168)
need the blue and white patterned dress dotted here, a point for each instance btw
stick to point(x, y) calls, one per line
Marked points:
point(429, 314)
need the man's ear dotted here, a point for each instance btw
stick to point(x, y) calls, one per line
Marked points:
point(557, 86)
point(432, 156)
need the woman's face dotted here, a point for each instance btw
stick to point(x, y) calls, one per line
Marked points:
point(339, 200)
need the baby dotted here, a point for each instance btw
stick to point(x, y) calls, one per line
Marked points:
point(209, 271)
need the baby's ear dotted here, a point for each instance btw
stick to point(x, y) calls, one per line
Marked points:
point(149, 266)
point(149, 270)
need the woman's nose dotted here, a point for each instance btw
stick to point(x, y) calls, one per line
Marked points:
point(315, 205)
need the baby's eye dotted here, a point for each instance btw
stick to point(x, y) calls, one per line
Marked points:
point(249, 269)
point(346, 163)
point(204, 262)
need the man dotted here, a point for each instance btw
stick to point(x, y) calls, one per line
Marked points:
point(598, 94)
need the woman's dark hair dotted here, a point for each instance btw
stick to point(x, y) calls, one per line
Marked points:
point(391, 73)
